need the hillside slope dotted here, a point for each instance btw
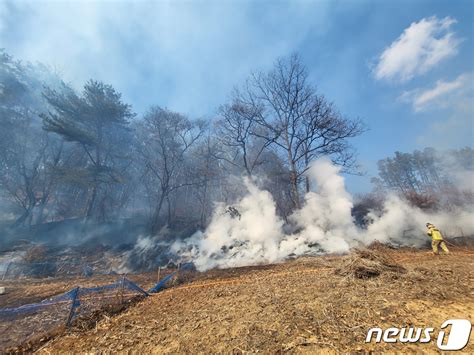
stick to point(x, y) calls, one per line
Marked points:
point(302, 306)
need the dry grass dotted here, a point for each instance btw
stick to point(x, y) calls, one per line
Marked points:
point(367, 263)
point(299, 306)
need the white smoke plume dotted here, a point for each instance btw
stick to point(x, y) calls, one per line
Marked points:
point(460, 172)
point(404, 224)
point(230, 241)
point(325, 218)
point(323, 225)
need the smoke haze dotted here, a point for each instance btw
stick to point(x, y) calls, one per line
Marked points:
point(323, 225)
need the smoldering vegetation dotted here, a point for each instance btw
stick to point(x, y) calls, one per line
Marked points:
point(324, 224)
point(259, 183)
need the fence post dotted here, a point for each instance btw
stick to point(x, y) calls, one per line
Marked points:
point(74, 305)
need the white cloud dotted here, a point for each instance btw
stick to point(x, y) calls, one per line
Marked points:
point(418, 49)
point(438, 96)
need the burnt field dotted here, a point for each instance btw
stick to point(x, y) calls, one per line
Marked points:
point(308, 304)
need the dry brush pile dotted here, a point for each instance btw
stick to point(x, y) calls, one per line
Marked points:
point(367, 263)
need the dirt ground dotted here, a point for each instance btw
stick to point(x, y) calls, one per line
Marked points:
point(304, 305)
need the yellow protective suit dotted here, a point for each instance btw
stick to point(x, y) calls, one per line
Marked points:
point(437, 240)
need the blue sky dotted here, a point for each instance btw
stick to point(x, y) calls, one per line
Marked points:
point(404, 67)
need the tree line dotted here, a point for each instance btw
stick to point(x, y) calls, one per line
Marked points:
point(429, 178)
point(67, 154)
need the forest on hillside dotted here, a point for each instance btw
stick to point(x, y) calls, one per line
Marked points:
point(86, 155)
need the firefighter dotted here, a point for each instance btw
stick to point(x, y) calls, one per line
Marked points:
point(436, 239)
point(234, 212)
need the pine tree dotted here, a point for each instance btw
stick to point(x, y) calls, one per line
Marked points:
point(98, 122)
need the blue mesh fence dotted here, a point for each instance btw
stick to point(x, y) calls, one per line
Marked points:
point(35, 307)
point(161, 284)
point(31, 322)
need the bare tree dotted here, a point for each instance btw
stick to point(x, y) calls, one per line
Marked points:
point(27, 153)
point(27, 175)
point(164, 138)
point(237, 130)
point(283, 109)
point(208, 168)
